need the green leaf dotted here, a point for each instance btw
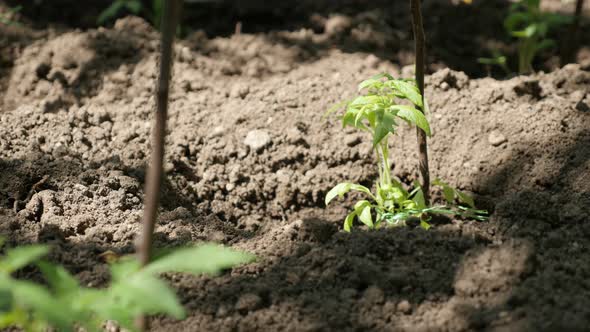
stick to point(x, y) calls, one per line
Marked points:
point(464, 198)
point(365, 100)
point(20, 257)
point(407, 90)
point(371, 83)
point(449, 194)
point(424, 224)
point(348, 221)
point(419, 199)
point(363, 210)
point(528, 32)
point(143, 293)
point(546, 43)
point(206, 258)
point(385, 125)
point(38, 299)
point(335, 108)
point(342, 188)
point(60, 280)
point(134, 6)
point(413, 116)
point(110, 12)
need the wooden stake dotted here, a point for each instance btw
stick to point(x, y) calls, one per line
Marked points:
point(420, 58)
point(155, 173)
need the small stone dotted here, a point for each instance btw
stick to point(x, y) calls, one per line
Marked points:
point(496, 138)
point(404, 306)
point(445, 86)
point(217, 131)
point(257, 140)
point(577, 96)
point(337, 24)
point(248, 302)
point(240, 91)
point(168, 167)
point(372, 61)
point(374, 295)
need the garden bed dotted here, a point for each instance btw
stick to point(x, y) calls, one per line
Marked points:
point(249, 159)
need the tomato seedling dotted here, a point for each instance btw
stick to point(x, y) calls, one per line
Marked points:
point(378, 112)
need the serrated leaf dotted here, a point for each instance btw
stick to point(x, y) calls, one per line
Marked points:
point(20, 257)
point(370, 83)
point(365, 100)
point(206, 258)
point(407, 90)
point(385, 125)
point(413, 116)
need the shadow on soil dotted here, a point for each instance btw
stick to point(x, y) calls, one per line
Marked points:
point(382, 28)
point(324, 279)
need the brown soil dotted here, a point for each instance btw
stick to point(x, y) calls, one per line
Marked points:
point(249, 160)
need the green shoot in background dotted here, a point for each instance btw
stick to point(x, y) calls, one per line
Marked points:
point(135, 7)
point(378, 112)
point(530, 26)
point(5, 18)
point(65, 305)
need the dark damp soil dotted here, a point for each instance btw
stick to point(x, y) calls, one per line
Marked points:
point(74, 142)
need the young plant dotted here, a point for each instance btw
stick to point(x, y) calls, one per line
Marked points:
point(378, 112)
point(5, 18)
point(530, 25)
point(66, 306)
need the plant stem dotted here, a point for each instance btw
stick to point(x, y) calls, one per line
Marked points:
point(385, 168)
point(568, 54)
point(155, 174)
point(420, 58)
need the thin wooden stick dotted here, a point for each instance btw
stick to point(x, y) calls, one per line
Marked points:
point(420, 58)
point(569, 49)
point(155, 173)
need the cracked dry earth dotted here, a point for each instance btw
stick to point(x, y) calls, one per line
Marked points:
point(249, 160)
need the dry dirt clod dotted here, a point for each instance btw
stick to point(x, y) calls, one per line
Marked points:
point(404, 307)
point(248, 302)
point(257, 140)
point(496, 138)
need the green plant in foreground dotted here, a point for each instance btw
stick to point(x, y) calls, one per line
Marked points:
point(377, 112)
point(530, 25)
point(134, 291)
